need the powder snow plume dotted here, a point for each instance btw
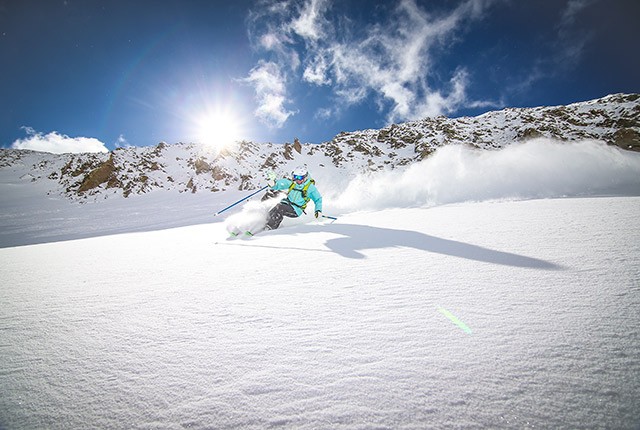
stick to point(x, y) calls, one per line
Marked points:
point(540, 168)
point(252, 216)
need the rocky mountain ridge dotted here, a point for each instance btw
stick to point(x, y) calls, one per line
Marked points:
point(192, 168)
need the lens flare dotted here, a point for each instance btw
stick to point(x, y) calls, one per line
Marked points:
point(455, 320)
point(218, 128)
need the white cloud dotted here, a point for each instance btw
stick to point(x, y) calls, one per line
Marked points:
point(309, 23)
point(392, 60)
point(58, 143)
point(271, 92)
point(271, 42)
point(436, 104)
point(122, 142)
point(316, 72)
point(277, 42)
point(324, 113)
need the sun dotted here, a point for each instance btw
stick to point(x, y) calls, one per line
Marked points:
point(218, 128)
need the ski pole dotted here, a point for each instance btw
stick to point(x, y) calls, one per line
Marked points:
point(241, 200)
point(329, 217)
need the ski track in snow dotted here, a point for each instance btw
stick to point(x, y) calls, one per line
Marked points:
point(333, 326)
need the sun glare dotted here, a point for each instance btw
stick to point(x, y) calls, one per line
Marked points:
point(218, 129)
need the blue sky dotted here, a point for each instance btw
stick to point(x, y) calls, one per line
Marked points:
point(89, 74)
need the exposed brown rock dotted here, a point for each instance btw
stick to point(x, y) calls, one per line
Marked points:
point(297, 146)
point(98, 176)
point(627, 138)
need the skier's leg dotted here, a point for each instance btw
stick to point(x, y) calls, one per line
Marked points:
point(277, 213)
point(275, 217)
point(290, 212)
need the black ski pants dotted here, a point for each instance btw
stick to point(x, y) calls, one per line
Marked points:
point(278, 212)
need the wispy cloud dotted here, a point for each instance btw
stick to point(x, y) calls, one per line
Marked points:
point(122, 142)
point(58, 143)
point(570, 41)
point(271, 91)
point(393, 61)
point(572, 10)
point(566, 47)
point(310, 22)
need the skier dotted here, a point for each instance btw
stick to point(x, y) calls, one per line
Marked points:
point(300, 189)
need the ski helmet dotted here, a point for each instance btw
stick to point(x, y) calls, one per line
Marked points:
point(300, 173)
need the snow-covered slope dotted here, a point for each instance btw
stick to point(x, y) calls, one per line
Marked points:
point(520, 314)
point(467, 289)
point(194, 168)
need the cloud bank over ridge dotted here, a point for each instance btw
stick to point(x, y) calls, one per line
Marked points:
point(57, 143)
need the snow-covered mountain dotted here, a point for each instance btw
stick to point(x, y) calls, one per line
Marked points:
point(195, 168)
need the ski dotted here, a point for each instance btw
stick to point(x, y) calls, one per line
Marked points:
point(253, 232)
point(234, 232)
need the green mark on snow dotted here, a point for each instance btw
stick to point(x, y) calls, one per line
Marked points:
point(454, 319)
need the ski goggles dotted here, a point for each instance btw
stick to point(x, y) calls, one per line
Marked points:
point(299, 177)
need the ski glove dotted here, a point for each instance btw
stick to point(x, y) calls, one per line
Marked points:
point(318, 214)
point(271, 178)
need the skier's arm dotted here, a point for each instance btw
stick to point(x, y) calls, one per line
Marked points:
point(314, 194)
point(281, 184)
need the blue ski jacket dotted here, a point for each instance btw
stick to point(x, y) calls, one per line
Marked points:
point(298, 197)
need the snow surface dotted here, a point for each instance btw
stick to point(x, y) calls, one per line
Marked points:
point(356, 324)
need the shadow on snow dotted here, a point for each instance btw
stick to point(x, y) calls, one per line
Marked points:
point(357, 238)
